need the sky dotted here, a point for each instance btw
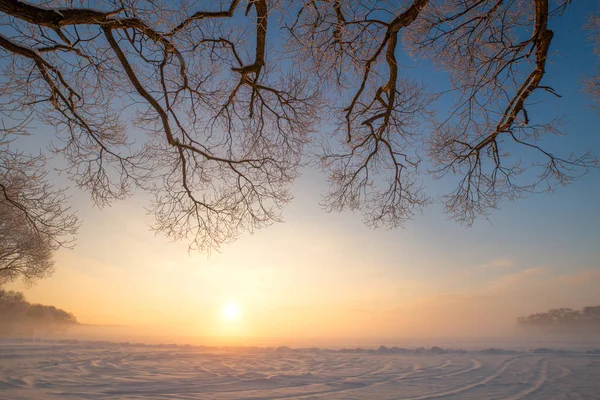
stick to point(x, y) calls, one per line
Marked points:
point(320, 276)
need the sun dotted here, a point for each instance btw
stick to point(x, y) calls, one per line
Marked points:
point(230, 311)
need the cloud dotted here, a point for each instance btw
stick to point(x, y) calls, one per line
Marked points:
point(513, 280)
point(500, 263)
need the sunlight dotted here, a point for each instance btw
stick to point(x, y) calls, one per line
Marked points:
point(230, 311)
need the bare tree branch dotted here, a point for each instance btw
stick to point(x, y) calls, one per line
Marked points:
point(593, 82)
point(481, 44)
point(208, 106)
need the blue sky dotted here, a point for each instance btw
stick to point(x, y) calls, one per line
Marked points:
point(317, 263)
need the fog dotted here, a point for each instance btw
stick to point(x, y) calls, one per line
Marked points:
point(513, 339)
point(445, 321)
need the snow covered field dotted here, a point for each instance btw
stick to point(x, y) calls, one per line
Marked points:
point(86, 370)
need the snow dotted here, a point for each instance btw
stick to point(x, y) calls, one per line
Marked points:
point(104, 370)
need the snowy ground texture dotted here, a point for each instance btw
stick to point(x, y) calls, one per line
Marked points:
point(95, 370)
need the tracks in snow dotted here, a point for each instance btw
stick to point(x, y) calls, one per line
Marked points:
point(91, 372)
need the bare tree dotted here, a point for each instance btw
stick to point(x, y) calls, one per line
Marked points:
point(23, 252)
point(495, 53)
point(593, 82)
point(223, 133)
point(204, 108)
point(33, 218)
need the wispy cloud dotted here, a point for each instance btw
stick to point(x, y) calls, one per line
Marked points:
point(504, 262)
point(513, 280)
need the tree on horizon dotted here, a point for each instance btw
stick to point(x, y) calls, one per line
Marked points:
point(586, 319)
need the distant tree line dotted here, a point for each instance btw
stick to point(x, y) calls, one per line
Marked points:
point(18, 316)
point(586, 319)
